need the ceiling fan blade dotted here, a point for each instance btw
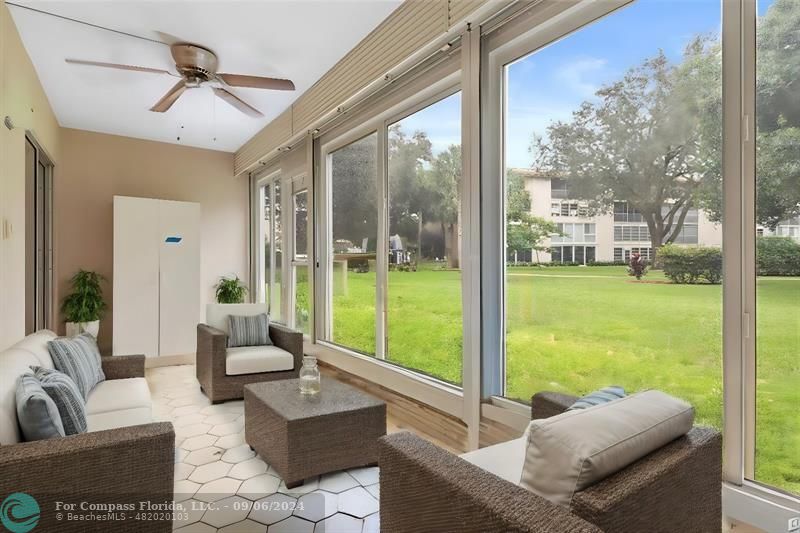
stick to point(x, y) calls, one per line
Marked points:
point(168, 99)
point(237, 102)
point(168, 39)
point(257, 82)
point(117, 66)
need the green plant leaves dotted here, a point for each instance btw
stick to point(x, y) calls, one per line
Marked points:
point(85, 303)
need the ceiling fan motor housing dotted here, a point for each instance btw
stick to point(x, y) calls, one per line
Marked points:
point(195, 63)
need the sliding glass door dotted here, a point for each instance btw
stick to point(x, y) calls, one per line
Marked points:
point(392, 238)
point(352, 244)
point(270, 245)
point(38, 238)
point(776, 382)
point(619, 115)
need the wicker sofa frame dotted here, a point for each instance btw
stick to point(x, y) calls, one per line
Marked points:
point(211, 350)
point(427, 489)
point(127, 465)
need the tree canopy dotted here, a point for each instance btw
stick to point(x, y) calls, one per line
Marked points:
point(654, 137)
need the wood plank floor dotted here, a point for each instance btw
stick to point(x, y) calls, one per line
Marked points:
point(405, 413)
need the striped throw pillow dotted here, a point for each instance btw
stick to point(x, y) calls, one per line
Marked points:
point(248, 330)
point(67, 397)
point(597, 397)
point(79, 358)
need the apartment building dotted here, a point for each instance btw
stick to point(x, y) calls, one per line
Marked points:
point(612, 236)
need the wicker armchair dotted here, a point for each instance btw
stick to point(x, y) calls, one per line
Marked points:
point(427, 489)
point(210, 365)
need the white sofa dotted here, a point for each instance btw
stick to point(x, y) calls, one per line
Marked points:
point(113, 403)
point(124, 458)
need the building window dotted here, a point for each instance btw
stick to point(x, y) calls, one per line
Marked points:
point(574, 232)
point(627, 233)
point(558, 188)
point(572, 254)
point(624, 213)
point(569, 208)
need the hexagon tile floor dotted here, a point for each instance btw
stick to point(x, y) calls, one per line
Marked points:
point(226, 488)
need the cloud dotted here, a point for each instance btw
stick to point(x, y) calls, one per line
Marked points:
point(581, 75)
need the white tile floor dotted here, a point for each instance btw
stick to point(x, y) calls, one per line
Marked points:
point(226, 488)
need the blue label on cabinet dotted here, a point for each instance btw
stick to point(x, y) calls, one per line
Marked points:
point(173, 240)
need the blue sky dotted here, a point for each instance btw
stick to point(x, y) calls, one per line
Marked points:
point(550, 83)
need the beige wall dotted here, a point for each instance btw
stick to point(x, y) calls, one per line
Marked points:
point(96, 167)
point(23, 99)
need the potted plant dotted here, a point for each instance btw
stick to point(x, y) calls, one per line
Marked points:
point(230, 290)
point(84, 307)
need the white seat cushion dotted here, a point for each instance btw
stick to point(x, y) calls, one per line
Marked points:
point(118, 395)
point(257, 359)
point(505, 460)
point(119, 419)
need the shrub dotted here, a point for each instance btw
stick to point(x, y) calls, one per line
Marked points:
point(637, 266)
point(684, 264)
point(777, 256)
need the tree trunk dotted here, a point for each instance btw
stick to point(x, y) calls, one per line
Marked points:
point(419, 238)
point(656, 241)
point(452, 245)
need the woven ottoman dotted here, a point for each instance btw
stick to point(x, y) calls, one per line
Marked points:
point(304, 436)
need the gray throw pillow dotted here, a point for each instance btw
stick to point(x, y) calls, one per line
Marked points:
point(67, 397)
point(79, 358)
point(37, 413)
point(248, 331)
point(606, 394)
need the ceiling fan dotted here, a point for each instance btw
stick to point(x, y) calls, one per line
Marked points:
point(197, 67)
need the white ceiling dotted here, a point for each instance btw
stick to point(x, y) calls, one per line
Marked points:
point(299, 40)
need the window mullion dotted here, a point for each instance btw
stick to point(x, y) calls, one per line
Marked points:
point(382, 246)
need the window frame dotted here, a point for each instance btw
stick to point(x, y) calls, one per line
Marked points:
point(294, 261)
point(546, 23)
point(269, 178)
point(377, 123)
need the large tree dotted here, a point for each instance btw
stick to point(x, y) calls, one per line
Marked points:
point(424, 190)
point(639, 141)
point(445, 180)
point(777, 116)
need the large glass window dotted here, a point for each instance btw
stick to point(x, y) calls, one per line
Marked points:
point(353, 171)
point(423, 324)
point(300, 263)
point(777, 379)
point(622, 116)
point(270, 254)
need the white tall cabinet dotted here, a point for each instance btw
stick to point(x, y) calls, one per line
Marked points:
point(156, 276)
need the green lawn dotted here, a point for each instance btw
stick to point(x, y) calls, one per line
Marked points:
point(575, 329)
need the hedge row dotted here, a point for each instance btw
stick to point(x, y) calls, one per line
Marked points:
point(684, 264)
point(777, 256)
point(591, 264)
